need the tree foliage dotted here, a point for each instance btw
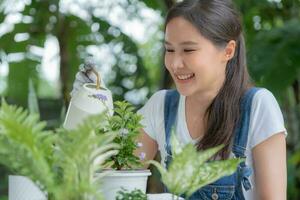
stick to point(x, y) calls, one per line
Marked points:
point(74, 34)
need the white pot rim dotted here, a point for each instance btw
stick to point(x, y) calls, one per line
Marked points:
point(139, 172)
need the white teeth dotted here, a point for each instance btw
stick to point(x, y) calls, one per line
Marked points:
point(185, 77)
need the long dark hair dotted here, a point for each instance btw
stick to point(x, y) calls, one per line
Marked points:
point(219, 21)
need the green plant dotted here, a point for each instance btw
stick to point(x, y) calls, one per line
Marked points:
point(133, 195)
point(62, 162)
point(293, 181)
point(127, 124)
point(189, 170)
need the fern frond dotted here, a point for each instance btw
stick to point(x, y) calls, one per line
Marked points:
point(63, 162)
point(24, 144)
point(81, 152)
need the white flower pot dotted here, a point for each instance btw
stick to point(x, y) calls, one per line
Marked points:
point(22, 188)
point(114, 181)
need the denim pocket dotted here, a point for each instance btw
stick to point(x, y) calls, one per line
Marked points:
point(217, 192)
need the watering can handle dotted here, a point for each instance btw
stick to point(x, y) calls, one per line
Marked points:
point(98, 81)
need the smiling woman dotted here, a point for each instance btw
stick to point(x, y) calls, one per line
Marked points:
point(215, 102)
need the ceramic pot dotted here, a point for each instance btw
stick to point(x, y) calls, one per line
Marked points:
point(22, 188)
point(115, 180)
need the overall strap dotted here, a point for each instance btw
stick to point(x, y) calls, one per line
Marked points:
point(170, 113)
point(242, 128)
point(241, 138)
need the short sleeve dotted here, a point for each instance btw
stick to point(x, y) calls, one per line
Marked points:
point(266, 118)
point(152, 113)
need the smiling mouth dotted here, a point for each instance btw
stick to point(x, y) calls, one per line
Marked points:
point(185, 76)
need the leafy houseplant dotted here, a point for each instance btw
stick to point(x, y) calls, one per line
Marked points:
point(126, 166)
point(62, 162)
point(127, 123)
point(189, 170)
point(133, 195)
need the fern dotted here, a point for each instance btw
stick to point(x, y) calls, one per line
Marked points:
point(63, 162)
point(24, 144)
point(80, 154)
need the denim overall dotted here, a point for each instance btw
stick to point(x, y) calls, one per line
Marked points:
point(229, 187)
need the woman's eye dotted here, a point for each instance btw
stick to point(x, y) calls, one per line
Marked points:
point(169, 50)
point(189, 50)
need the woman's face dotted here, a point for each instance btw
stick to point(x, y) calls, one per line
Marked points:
point(194, 62)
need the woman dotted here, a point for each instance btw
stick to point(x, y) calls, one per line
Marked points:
point(214, 103)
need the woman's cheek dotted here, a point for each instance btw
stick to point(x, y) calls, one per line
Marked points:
point(167, 62)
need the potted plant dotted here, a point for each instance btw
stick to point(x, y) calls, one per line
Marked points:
point(131, 195)
point(125, 169)
point(62, 163)
point(189, 169)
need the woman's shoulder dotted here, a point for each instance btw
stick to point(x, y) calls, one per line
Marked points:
point(264, 97)
point(160, 94)
point(264, 102)
point(266, 117)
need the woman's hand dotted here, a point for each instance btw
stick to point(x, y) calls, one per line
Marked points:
point(85, 75)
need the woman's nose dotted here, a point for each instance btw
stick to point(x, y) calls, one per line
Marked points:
point(177, 62)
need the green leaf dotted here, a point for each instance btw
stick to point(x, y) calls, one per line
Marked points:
point(127, 124)
point(212, 171)
point(155, 4)
point(189, 170)
point(135, 194)
point(33, 106)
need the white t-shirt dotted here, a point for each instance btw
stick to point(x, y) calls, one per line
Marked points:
point(265, 120)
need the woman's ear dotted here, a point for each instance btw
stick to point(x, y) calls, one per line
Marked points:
point(229, 50)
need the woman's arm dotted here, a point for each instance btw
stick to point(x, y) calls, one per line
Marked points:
point(269, 158)
point(149, 146)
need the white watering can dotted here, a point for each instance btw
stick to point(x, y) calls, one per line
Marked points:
point(91, 99)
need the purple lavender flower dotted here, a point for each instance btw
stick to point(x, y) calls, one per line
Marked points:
point(100, 97)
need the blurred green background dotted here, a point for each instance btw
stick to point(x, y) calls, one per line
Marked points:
point(43, 43)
